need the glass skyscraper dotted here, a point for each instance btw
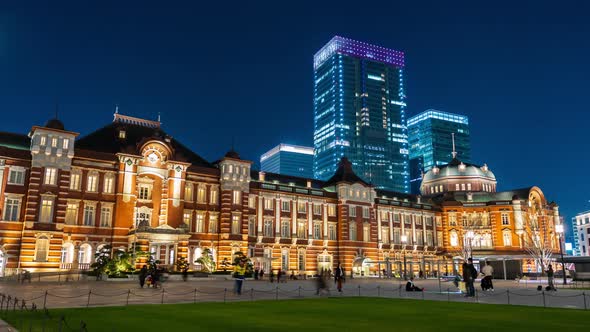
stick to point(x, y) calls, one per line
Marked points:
point(359, 113)
point(431, 142)
point(288, 159)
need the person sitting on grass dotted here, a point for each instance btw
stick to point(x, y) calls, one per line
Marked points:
point(410, 287)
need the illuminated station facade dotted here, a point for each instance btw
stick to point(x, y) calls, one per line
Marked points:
point(64, 198)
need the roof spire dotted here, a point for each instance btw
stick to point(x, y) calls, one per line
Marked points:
point(116, 108)
point(454, 153)
point(158, 116)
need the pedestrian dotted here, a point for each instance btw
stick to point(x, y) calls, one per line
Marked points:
point(143, 275)
point(486, 283)
point(469, 275)
point(271, 276)
point(550, 276)
point(185, 274)
point(239, 275)
point(256, 274)
point(339, 276)
point(261, 273)
point(279, 276)
point(410, 287)
point(155, 278)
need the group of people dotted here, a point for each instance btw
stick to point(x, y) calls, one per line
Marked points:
point(470, 274)
point(322, 280)
point(150, 277)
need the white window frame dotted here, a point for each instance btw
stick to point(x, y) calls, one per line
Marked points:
point(46, 210)
point(92, 182)
point(331, 210)
point(267, 228)
point(50, 177)
point(332, 232)
point(507, 238)
point(317, 209)
point(106, 215)
point(352, 232)
point(285, 206)
point(317, 230)
point(352, 211)
point(188, 192)
point(19, 176)
point(505, 218)
point(213, 196)
point(72, 213)
point(75, 180)
point(212, 224)
point(200, 222)
point(236, 197)
point(366, 232)
point(89, 216)
point(42, 248)
point(235, 224)
point(202, 194)
point(285, 229)
point(108, 186)
point(11, 209)
point(268, 204)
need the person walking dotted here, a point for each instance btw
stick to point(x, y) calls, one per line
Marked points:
point(142, 275)
point(239, 275)
point(271, 276)
point(550, 278)
point(486, 283)
point(185, 274)
point(339, 277)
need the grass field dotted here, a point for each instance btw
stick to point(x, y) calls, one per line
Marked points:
point(327, 314)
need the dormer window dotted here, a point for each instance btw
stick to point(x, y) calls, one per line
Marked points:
point(66, 143)
point(43, 141)
point(462, 167)
point(122, 134)
point(54, 142)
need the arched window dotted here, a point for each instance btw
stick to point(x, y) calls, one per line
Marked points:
point(41, 249)
point(67, 253)
point(85, 254)
point(285, 259)
point(454, 239)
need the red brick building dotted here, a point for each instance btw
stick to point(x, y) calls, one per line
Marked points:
point(64, 197)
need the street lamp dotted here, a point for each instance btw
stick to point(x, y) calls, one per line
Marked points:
point(559, 230)
point(404, 239)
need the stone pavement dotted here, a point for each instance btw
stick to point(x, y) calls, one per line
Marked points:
point(120, 293)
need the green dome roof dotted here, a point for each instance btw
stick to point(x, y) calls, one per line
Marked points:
point(457, 168)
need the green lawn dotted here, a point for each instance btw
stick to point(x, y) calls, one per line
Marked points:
point(326, 314)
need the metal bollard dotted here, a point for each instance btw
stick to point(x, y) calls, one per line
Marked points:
point(162, 295)
point(299, 289)
point(251, 294)
point(88, 303)
point(359, 290)
point(378, 291)
point(195, 296)
point(128, 294)
point(45, 301)
point(448, 295)
point(224, 294)
point(277, 293)
point(508, 295)
point(585, 305)
point(544, 304)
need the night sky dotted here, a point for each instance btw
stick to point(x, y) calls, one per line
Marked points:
point(519, 72)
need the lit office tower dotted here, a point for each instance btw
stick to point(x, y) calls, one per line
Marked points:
point(431, 142)
point(359, 113)
point(288, 159)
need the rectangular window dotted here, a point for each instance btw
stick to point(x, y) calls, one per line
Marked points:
point(144, 192)
point(89, 215)
point(352, 232)
point(457, 188)
point(352, 211)
point(188, 192)
point(366, 212)
point(420, 238)
point(202, 194)
point(428, 221)
point(187, 217)
point(301, 230)
point(452, 219)
point(109, 184)
point(418, 220)
point(507, 239)
point(332, 232)
point(396, 217)
point(43, 140)
point(41, 249)
point(268, 204)
point(285, 206)
point(463, 186)
point(469, 186)
point(75, 181)
point(252, 202)
point(200, 223)
point(317, 231)
point(301, 261)
point(429, 239)
point(54, 142)
point(285, 231)
point(11, 209)
point(396, 236)
point(16, 176)
point(505, 220)
point(285, 260)
point(66, 143)
point(92, 184)
point(72, 214)
point(106, 216)
point(214, 196)
point(317, 209)
point(212, 223)
point(366, 233)
point(439, 238)
point(407, 219)
point(385, 235)
point(301, 207)
point(235, 223)
point(50, 176)
point(268, 228)
point(237, 195)
point(46, 214)
point(252, 227)
point(331, 210)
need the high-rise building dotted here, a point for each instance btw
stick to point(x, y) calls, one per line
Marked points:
point(582, 233)
point(431, 142)
point(288, 159)
point(359, 112)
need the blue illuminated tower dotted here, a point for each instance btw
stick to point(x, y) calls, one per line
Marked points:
point(359, 112)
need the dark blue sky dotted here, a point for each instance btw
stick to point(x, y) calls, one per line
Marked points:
point(520, 72)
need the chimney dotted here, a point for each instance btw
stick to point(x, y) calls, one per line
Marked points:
point(261, 176)
point(308, 183)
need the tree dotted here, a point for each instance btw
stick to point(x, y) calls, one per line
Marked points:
point(207, 261)
point(181, 264)
point(537, 236)
point(101, 259)
point(472, 231)
point(240, 256)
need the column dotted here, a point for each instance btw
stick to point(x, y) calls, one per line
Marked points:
point(259, 208)
point(390, 217)
point(379, 228)
point(294, 218)
point(277, 217)
point(309, 212)
point(325, 219)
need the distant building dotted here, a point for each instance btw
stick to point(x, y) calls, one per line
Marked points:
point(430, 136)
point(582, 231)
point(288, 159)
point(359, 113)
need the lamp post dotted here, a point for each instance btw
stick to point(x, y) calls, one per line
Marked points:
point(469, 236)
point(559, 230)
point(404, 239)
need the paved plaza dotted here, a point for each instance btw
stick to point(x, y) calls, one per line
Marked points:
point(120, 293)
